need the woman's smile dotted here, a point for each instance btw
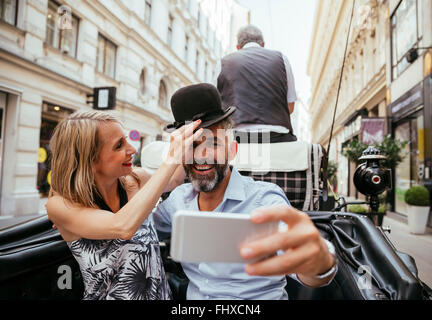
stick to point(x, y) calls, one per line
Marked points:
point(127, 163)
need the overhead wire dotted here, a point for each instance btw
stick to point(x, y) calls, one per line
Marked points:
point(327, 153)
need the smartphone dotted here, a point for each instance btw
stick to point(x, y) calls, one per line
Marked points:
point(199, 236)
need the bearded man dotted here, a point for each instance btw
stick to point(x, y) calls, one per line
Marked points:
point(299, 251)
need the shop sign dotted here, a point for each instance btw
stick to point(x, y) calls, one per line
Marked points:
point(372, 130)
point(409, 100)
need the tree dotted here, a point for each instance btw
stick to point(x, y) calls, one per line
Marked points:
point(353, 151)
point(391, 148)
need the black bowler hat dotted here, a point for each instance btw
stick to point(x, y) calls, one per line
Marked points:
point(198, 101)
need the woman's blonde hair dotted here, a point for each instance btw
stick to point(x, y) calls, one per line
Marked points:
point(75, 147)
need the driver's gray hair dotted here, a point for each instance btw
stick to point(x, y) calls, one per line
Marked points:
point(249, 33)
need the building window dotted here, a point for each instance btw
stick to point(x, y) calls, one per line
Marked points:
point(162, 95)
point(406, 33)
point(407, 172)
point(106, 56)
point(61, 29)
point(170, 31)
point(8, 11)
point(147, 12)
point(186, 52)
point(142, 82)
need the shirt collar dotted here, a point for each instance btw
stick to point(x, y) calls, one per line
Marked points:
point(235, 188)
point(251, 44)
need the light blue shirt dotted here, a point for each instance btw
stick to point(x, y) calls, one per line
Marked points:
point(225, 280)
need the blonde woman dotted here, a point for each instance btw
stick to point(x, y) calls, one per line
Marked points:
point(100, 205)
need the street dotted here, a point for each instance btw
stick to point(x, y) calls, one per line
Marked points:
point(418, 246)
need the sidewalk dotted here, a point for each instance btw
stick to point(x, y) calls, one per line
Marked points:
point(6, 222)
point(417, 246)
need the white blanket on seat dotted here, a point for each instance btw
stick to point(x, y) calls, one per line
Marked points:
point(272, 157)
point(153, 155)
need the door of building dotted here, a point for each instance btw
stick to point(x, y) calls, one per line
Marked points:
point(410, 171)
point(51, 115)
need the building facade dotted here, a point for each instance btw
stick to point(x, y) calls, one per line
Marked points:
point(54, 53)
point(363, 86)
point(383, 81)
point(300, 120)
point(409, 93)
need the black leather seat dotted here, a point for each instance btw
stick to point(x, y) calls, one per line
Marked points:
point(32, 253)
point(360, 247)
point(31, 256)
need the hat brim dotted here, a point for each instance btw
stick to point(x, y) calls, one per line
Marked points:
point(229, 111)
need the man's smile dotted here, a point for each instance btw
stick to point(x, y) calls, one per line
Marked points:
point(203, 169)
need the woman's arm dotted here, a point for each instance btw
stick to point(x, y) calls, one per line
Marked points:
point(99, 224)
point(92, 223)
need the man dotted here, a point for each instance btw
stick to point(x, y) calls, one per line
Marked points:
point(216, 186)
point(260, 83)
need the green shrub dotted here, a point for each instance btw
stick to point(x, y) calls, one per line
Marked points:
point(356, 208)
point(392, 148)
point(382, 208)
point(417, 196)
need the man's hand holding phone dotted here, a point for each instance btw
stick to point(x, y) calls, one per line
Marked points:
point(305, 252)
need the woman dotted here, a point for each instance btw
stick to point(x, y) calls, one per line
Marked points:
point(100, 205)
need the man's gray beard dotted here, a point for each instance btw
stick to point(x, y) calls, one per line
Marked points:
point(205, 184)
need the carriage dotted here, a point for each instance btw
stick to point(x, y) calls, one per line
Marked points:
point(34, 259)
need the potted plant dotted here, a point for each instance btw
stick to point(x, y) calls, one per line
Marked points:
point(357, 208)
point(418, 202)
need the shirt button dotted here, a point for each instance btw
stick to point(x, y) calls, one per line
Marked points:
point(207, 281)
point(207, 297)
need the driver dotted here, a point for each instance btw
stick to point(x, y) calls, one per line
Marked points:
point(216, 186)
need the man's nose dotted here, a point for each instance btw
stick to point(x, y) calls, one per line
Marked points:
point(203, 155)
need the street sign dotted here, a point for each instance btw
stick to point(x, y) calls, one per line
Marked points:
point(134, 135)
point(104, 98)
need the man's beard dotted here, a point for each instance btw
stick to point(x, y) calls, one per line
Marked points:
point(208, 182)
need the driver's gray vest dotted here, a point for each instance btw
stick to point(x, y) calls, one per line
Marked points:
point(254, 80)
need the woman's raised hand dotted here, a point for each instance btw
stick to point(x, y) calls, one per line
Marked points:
point(181, 143)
